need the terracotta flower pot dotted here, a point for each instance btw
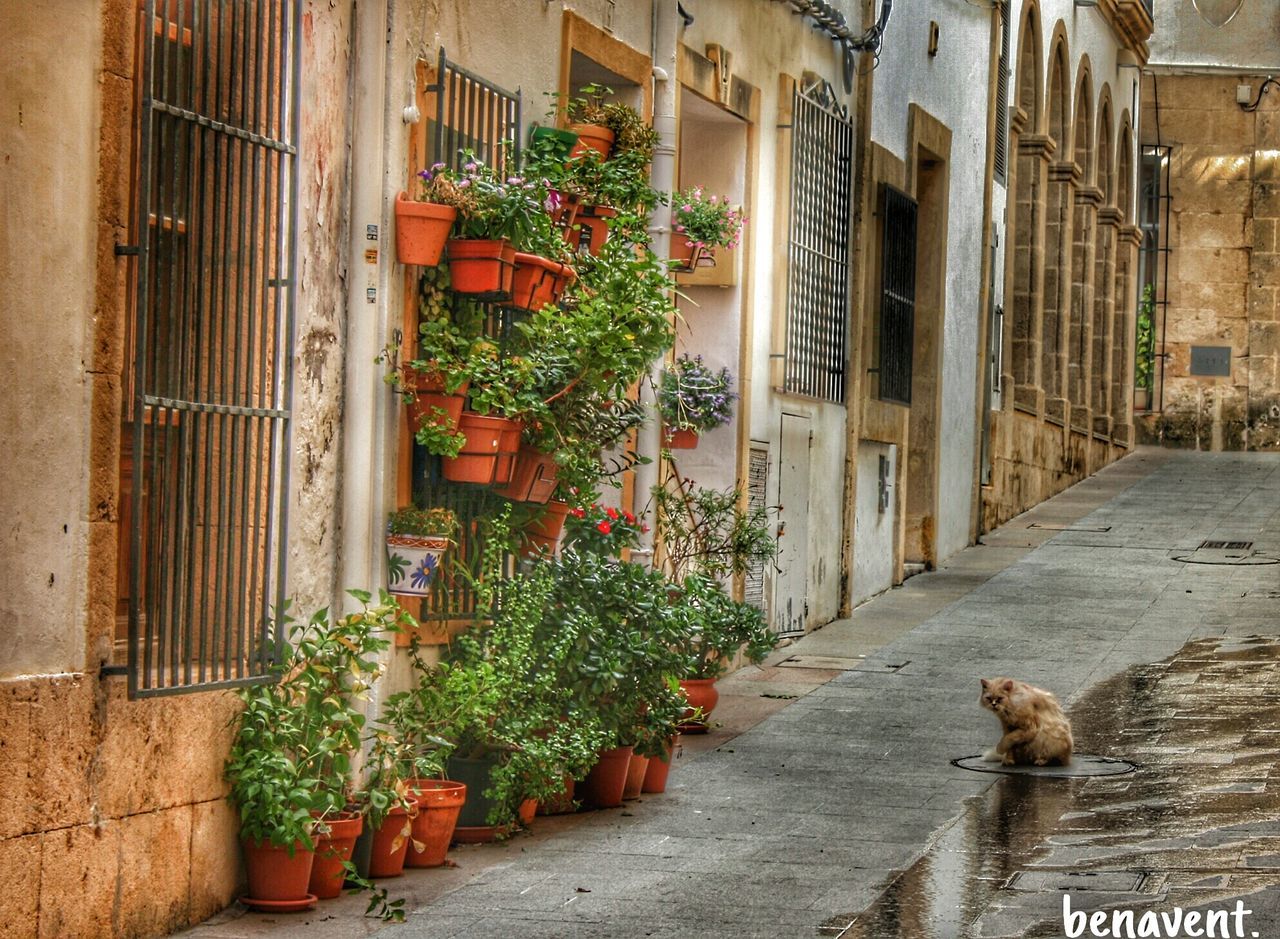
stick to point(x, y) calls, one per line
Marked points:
point(533, 479)
point(422, 228)
point(604, 784)
point(655, 775)
point(429, 395)
point(592, 229)
point(700, 693)
point(595, 137)
point(439, 802)
point(479, 455)
point(561, 804)
point(543, 533)
point(539, 281)
point(327, 874)
point(391, 844)
point(508, 447)
point(276, 880)
point(412, 562)
point(686, 438)
point(565, 209)
point(527, 810)
point(687, 255)
point(482, 268)
point(635, 776)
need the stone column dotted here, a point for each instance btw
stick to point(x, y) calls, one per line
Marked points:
point(1063, 179)
point(1106, 340)
point(1080, 362)
point(1035, 153)
point(1129, 237)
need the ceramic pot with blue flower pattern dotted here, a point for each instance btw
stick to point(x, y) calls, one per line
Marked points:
point(412, 562)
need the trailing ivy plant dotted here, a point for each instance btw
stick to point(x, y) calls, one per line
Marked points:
point(1144, 361)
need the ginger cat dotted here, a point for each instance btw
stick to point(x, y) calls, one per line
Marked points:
point(1036, 732)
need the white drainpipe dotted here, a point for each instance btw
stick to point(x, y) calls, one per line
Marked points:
point(665, 39)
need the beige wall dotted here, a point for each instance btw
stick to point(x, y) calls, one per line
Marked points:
point(1224, 265)
point(48, 241)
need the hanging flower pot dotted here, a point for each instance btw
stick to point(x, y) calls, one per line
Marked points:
point(564, 208)
point(604, 784)
point(700, 693)
point(439, 802)
point(412, 561)
point(635, 777)
point(278, 877)
point(482, 268)
point(655, 774)
point(686, 438)
point(538, 281)
point(422, 228)
point(328, 873)
point(595, 137)
point(391, 842)
point(543, 533)
point(476, 462)
point(592, 229)
point(430, 399)
point(508, 447)
point(687, 255)
point(533, 478)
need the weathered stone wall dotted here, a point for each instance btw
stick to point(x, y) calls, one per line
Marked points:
point(116, 822)
point(1224, 269)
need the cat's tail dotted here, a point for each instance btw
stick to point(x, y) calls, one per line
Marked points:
point(991, 756)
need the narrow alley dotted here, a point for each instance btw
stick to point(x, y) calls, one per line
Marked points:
point(840, 814)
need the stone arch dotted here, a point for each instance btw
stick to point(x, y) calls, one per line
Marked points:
point(1025, 263)
point(1079, 325)
point(1104, 269)
point(1057, 244)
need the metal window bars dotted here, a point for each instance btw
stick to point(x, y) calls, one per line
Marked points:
point(818, 270)
point(473, 115)
point(209, 383)
point(897, 294)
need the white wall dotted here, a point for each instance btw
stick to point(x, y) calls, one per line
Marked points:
point(874, 530)
point(49, 136)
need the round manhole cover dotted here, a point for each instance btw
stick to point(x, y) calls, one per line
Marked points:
point(1082, 764)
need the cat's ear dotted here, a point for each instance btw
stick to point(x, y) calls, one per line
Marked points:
point(1008, 684)
point(985, 684)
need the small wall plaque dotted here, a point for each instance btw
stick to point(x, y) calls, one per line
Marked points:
point(1211, 360)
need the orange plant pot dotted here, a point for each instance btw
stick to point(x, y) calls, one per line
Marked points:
point(655, 775)
point(533, 479)
point(604, 784)
point(479, 455)
point(428, 395)
point(686, 256)
point(327, 874)
point(592, 229)
point(482, 268)
point(543, 532)
point(561, 804)
point(391, 844)
point(527, 810)
point(700, 693)
point(539, 281)
point(683, 439)
point(422, 228)
point(595, 137)
point(636, 769)
point(439, 802)
point(508, 446)
point(275, 877)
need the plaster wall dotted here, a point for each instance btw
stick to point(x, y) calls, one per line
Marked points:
point(1246, 44)
point(952, 87)
point(49, 140)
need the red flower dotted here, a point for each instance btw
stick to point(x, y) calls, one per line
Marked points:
point(604, 528)
point(577, 513)
point(631, 519)
point(644, 528)
point(612, 513)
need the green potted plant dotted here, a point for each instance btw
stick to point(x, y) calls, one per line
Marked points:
point(715, 628)
point(493, 215)
point(417, 539)
point(692, 399)
point(700, 222)
point(290, 763)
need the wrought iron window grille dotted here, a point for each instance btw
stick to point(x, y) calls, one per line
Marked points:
point(897, 294)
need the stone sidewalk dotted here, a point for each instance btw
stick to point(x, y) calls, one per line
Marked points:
point(829, 788)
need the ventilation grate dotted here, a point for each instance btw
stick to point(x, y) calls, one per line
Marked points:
point(1227, 545)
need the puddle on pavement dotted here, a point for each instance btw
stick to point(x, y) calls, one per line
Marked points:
point(1197, 826)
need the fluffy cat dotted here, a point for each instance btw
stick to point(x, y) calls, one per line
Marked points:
point(1036, 731)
